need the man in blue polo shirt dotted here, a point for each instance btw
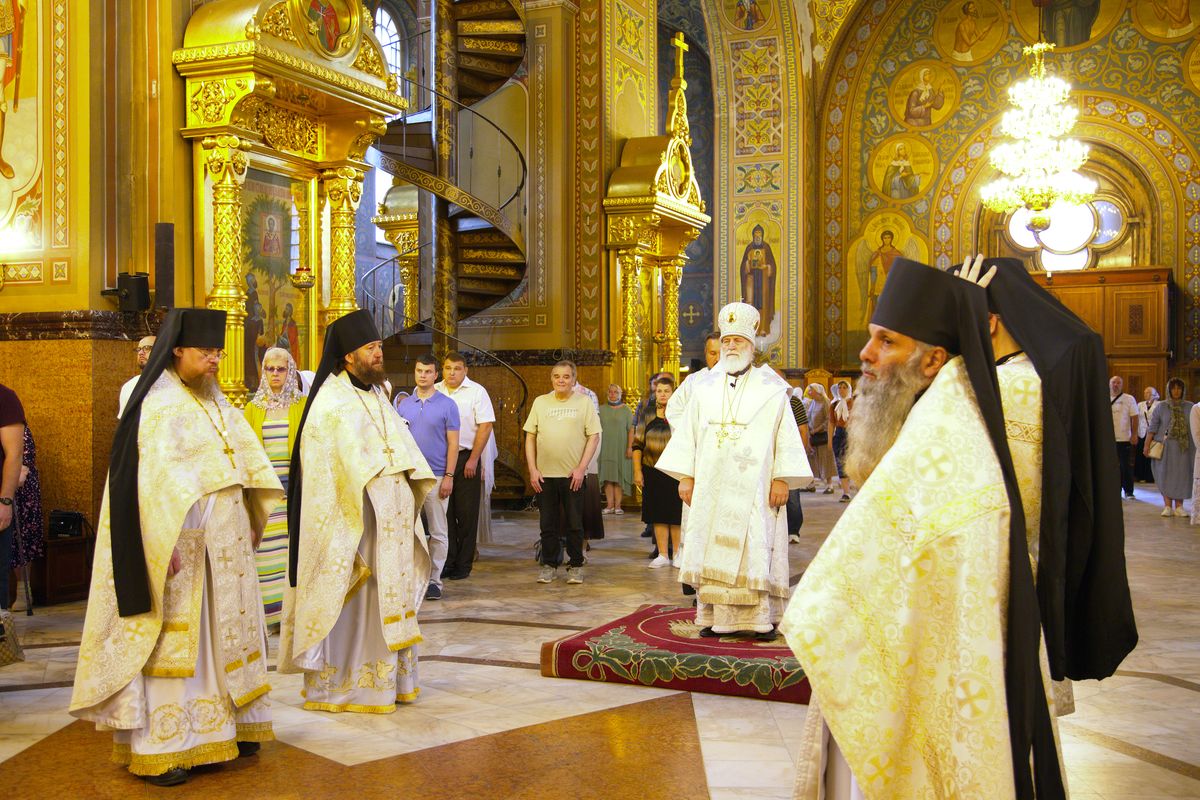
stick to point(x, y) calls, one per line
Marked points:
point(433, 420)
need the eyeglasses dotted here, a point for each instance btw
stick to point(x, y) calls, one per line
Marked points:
point(211, 353)
point(275, 369)
point(145, 349)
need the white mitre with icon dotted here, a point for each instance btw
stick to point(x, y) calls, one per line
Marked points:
point(738, 319)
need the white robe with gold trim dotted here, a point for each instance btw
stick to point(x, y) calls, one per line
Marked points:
point(183, 682)
point(736, 549)
point(350, 625)
point(899, 620)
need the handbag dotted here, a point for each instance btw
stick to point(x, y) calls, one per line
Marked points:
point(1155, 451)
point(10, 647)
point(819, 439)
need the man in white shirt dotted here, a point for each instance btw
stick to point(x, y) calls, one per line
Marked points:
point(473, 476)
point(145, 345)
point(1125, 429)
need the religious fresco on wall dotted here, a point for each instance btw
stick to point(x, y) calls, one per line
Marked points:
point(1167, 20)
point(758, 270)
point(1134, 92)
point(276, 312)
point(1068, 24)
point(1191, 67)
point(924, 93)
point(20, 124)
point(970, 32)
point(746, 15)
point(903, 167)
point(885, 236)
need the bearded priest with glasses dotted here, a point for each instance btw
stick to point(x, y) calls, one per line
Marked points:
point(736, 452)
point(174, 653)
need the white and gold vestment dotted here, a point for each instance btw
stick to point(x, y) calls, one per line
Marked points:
point(182, 683)
point(899, 621)
point(734, 442)
point(350, 623)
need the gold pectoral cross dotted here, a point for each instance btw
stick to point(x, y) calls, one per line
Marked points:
point(229, 452)
point(388, 451)
point(724, 433)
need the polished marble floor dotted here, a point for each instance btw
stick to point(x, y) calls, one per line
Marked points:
point(1134, 735)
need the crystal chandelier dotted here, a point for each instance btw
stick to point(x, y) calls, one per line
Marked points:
point(1038, 162)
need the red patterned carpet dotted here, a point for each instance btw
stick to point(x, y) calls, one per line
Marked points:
point(660, 646)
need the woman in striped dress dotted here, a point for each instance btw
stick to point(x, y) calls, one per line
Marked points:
point(274, 413)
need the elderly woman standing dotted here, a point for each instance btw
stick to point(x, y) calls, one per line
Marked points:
point(1169, 425)
point(818, 436)
point(274, 413)
point(616, 450)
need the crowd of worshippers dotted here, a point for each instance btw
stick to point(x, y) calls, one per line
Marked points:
point(938, 665)
point(1158, 442)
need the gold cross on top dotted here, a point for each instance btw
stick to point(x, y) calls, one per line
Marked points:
point(681, 47)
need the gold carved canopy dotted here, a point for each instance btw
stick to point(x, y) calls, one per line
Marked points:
point(267, 70)
point(297, 89)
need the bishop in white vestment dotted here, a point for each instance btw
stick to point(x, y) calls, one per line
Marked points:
point(360, 564)
point(736, 460)
point(173, 657)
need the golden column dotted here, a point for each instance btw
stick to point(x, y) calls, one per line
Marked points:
point(629, 349)
point(225, 161)
point(672, 349)
point(405, 240)
point(343, 186)
point(444, 251)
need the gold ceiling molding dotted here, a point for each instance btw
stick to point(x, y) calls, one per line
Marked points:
point(829, 16)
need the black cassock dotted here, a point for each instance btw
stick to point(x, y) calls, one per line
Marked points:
point(1082, 585)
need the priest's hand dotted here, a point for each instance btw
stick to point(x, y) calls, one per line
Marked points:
point(970, 271)
point(685, 489)
point(447, 487)
point(535, 480)
point(175, 564)
point(779, 493)
point(577, 478)
point(255, 539)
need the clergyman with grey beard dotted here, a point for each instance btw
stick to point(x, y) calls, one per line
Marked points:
point(917, 623)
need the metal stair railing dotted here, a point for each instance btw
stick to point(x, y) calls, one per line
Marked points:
point(386, 307)
point(475, 127)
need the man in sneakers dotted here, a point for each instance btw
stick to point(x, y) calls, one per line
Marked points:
point(433, 421)
point(563, 431)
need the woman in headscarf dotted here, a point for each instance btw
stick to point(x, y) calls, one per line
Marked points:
point(842, 403)
point(274, 413)
point(818, 436)
point(1169, 425)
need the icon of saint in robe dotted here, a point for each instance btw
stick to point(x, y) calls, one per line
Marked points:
point(900, 182)
point(758, 273)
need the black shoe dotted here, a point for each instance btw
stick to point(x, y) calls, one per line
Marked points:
point(648, 532)
point(653, 553)
point(434, 592)
point(768, 636)
point(248, 748)
point(172, 777)
point(708, 633)
point(458, 576)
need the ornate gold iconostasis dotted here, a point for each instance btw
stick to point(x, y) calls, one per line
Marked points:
point(653, 212)
point(283, 98)
point(911, 98)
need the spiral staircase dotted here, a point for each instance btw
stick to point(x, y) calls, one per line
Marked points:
point(486, 205)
